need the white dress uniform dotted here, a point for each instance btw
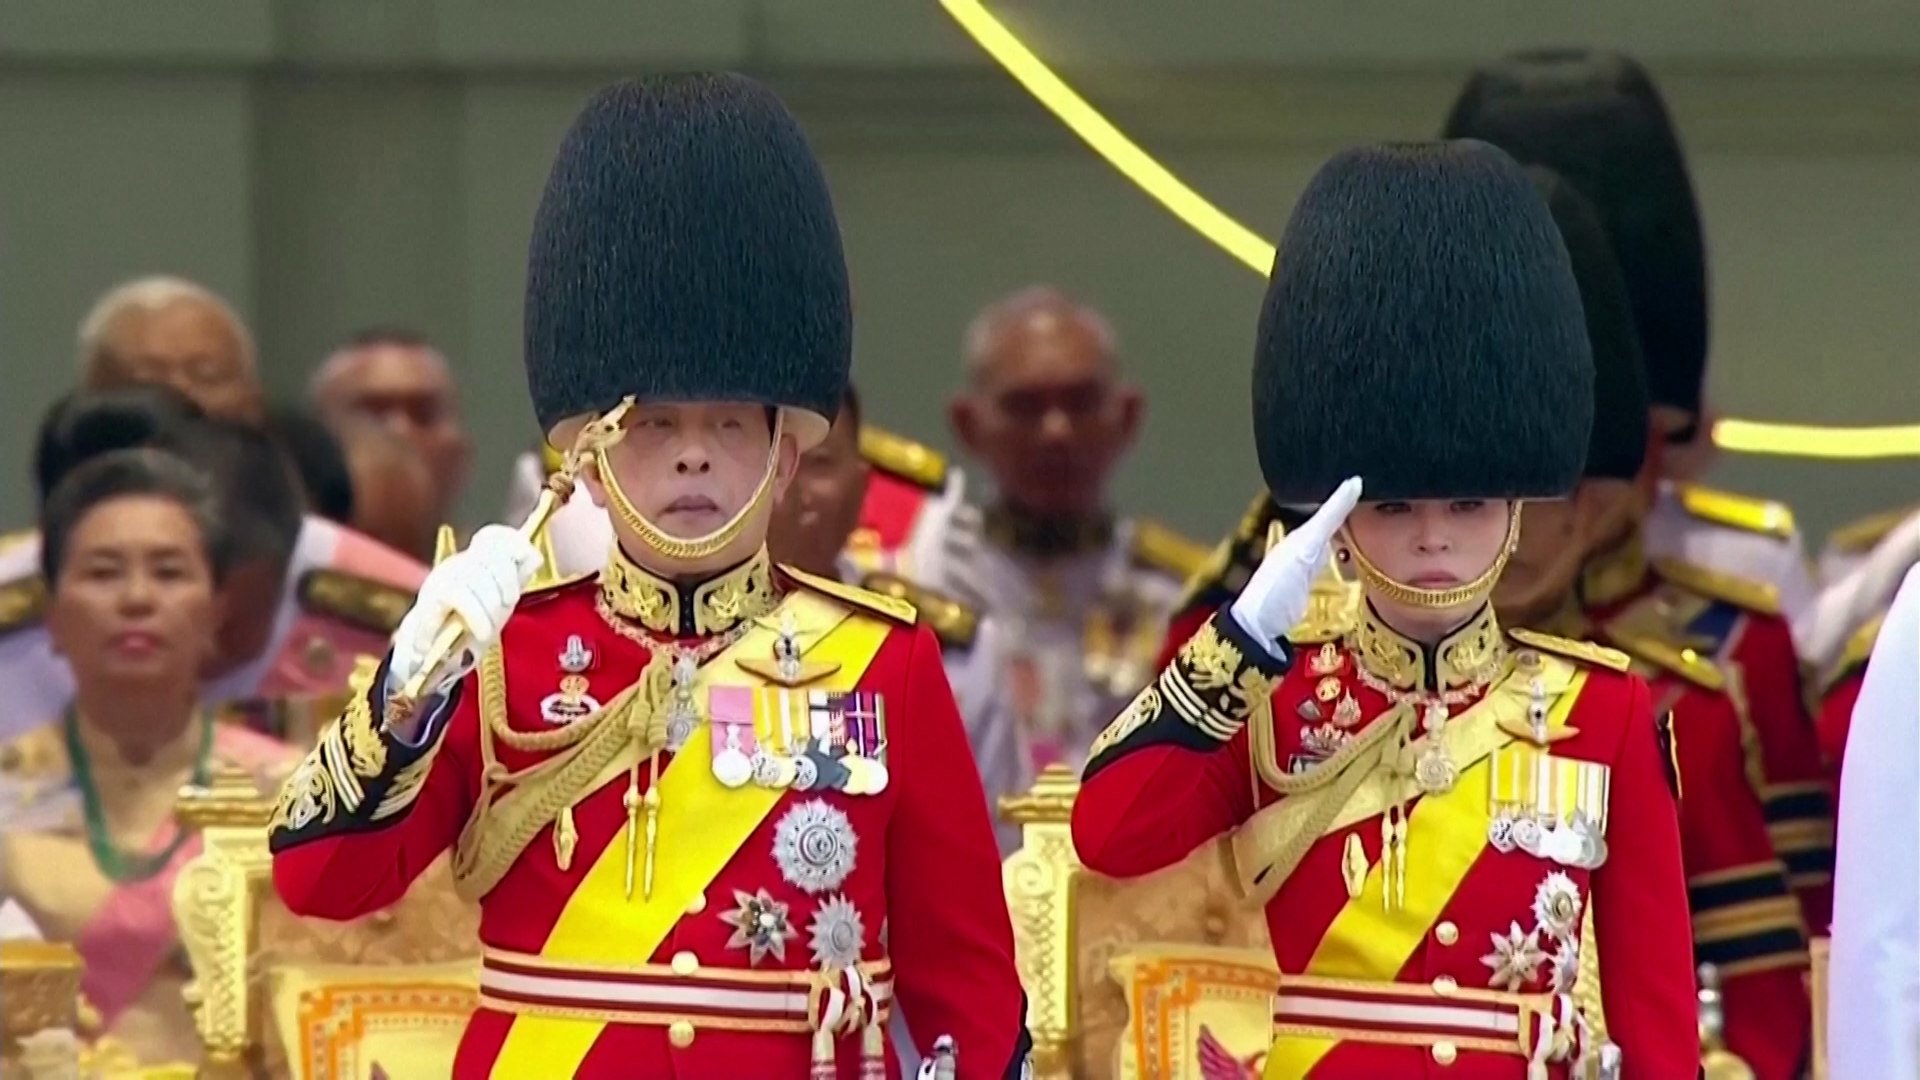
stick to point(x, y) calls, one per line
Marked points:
point(342, 596)
point(1071, 635)
point(1860, 594)
point(1737, 535)
point(1873, 1007)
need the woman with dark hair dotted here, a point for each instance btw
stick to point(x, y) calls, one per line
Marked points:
point(134, 556)
point(304, 597)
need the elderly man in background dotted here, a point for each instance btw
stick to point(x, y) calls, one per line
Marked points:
point(396, 379)
point(1082, 593)
point(177, 333)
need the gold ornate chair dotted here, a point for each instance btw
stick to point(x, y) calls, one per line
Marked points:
point(1140, 978)
point(277, 995)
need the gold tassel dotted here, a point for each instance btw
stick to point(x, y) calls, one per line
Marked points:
point(652, 802)
point(873, 1049)
point(631, 800)
point(565, 838)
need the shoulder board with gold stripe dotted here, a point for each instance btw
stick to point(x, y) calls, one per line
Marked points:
point(1160, 548)
point(23, 602)
point(1853, 538)
point(1743, 512)
point(953, 622)
point(1670, 658)
point(1583, 651)
point(900, 456)
point(1854, 656)
point(1239, 550)
point(887, 607)
point(370, 605)
point(1756, 596)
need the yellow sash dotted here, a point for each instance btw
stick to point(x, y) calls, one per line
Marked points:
point(702, 826)
point(1445, 836)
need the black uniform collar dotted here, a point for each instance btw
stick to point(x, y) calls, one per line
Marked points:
point(1466, 659)
point(631, 593)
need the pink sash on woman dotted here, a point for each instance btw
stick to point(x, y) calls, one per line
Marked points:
point(133, 934)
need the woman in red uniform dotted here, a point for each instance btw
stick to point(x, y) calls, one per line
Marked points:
point(1465, 837)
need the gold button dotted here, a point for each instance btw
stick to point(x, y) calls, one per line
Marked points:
point(1445, 986)
point(698, 904)
point(1446, 933)
point(1444, 1053)
point(680, 1032)
point(685, 963)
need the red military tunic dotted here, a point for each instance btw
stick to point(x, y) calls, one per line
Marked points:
point(1738, 625)
point(1745, 919)
point(765, 900)
point(1474, 952)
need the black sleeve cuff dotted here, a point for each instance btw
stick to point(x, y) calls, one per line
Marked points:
point(359, 776)
point(1219, 679)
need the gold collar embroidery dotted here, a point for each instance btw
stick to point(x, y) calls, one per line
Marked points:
point(629, 592)
point(1612, 575)
point(1469, 658)
point(1046, 538)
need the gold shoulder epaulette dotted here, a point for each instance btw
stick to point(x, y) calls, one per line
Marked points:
point(889, 607)
point(1854, 656)
point(953, 622)
point(370, 605)
point(904, 458)
point(1743, 512)
point(1160, 548)
point(1688, 664)
point(1853, 538)
point(23, 601)
point(1757, 596)
point(1583, 651)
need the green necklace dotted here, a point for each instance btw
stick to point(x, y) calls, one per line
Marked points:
point(116, 864)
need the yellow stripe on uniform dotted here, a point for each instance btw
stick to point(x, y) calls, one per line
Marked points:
point(702, 826)
point(1445, 836)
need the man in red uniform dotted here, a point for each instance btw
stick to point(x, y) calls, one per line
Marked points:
point(716, 813)
point(1597, 119)
point(1465, 839)
point(1745, 921)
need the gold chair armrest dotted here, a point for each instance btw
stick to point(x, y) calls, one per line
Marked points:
point(215, 905)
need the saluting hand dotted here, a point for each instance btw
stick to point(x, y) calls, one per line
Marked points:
point(1276, 596)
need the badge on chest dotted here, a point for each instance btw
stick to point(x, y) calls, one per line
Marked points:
point(1549, 807)
point(807, 740)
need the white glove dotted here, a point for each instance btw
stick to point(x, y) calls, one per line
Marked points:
point(480, 586)
point(1276, 596)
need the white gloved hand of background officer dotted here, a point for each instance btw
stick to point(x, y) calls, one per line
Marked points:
point(1276, 596)
point(480, 586)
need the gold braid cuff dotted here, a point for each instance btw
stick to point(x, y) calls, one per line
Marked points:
point(1202, 699)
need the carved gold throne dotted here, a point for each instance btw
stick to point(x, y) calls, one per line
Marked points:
point(1129, 979)
point(277, 995)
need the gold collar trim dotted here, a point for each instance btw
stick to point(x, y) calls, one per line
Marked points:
point(1616, 573)
point(630, 592)
point(1468, 659)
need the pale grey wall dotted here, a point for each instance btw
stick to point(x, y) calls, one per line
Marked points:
point(333, 164)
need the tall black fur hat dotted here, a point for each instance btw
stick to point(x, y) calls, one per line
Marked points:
point(1618, 445)
point(686, 250)
point(1597, 119)
point(1423, 330)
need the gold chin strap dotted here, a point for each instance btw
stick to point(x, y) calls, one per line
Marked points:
point(1379, 583)
point(699, 547)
